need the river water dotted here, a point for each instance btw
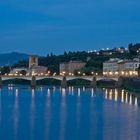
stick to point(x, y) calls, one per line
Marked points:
point(52, 113)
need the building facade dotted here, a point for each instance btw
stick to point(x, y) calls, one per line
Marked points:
point(18, 71)
point(33, 61)
point(70, 67)
point(120, 67)
point(38, 70)
point(110, 67)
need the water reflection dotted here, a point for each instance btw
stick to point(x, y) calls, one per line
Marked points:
point(10, 87)
point(79, 92)
point(48, 115)
point(72, 90)
point(106, 94)
point(33, 93)
point(48, 92)
point(116, 95)
point(130, 100)
point(92, 92)
point(63, 114)
point(32, 110)
point(54, 89)
point(73, 113)
point(84, 89)
point(110, 95)
point(121, 95)
point(63, 91)
point(126, 97)
point(136, 101)
point(16, 112)
point(78, 109)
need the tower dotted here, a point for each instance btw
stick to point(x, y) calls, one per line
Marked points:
point(33, 61)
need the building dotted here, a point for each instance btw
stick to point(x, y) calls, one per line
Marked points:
point(120, 50)
point(34, 68)
point(64, 68)
point(110, 67)
point(18, 71)
point(37, 70)
point(121, 67)
point(70, 67)
point(33, 61)
point(75, 65)
point(128, 67)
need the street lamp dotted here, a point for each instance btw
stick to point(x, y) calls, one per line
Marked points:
point(92, 73)
point(79, 72)
point(84, 74)
point(64, 72)
point(122, 72)
point(70, 74)
point(49, 72)
point(54, 74)
point(116, 73)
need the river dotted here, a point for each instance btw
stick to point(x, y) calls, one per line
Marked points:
point(52, 113)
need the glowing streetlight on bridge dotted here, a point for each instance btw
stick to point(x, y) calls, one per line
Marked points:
point(84, 74)
point(92, 73)
point(79, 72)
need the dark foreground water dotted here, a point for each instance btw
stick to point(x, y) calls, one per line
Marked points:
point(49, 113)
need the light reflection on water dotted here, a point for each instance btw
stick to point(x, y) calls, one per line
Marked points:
point(52, 113)
point(122, 95)
point(16, 113)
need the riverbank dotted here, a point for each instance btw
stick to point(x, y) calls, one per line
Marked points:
point(131, 84)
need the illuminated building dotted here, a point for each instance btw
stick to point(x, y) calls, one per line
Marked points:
point(33, 61)
point(70, 67)
point(117, 67)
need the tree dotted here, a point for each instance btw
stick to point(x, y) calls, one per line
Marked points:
point(23, 72)
point(134, 49)
point(5, 70)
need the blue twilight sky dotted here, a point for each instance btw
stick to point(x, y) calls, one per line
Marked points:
point(44, 26)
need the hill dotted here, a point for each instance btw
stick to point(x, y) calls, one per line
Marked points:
point(11, 58)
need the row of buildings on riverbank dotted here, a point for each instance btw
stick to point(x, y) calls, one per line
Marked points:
point(112, 67)
point(34, 68)
point(124, 67)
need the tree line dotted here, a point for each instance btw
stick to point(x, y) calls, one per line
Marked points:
point(94, 60)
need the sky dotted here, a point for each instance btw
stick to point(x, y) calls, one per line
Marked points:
point(45, 26)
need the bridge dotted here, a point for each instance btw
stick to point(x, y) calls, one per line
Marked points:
point(60, 78)
point(63, 79)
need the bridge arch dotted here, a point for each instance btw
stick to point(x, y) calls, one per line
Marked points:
point(19, 78)
point(80, 78)
point(43, 78)
point(106, 82)
point(48, 81)
point(107, 79)
point(78, 81)
point(16, 81)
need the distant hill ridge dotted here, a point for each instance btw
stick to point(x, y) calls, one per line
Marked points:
point(12, 58)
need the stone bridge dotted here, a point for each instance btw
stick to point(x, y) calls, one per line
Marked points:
point(63, 79)
point(60, 78)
